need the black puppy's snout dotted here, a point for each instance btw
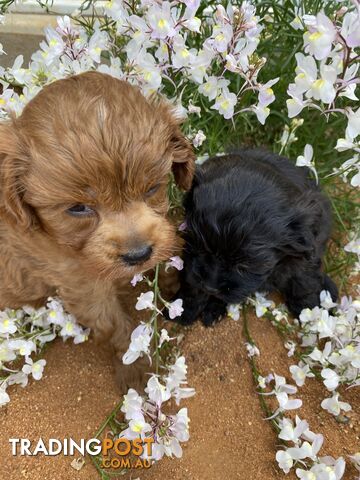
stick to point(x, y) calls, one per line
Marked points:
point(137, 255)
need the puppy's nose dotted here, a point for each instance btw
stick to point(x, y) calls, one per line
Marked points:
point(137, 255)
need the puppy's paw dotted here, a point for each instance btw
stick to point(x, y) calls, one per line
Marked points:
point(131, 376)
point(194, 302)
point(310, 300)
point(214, 311)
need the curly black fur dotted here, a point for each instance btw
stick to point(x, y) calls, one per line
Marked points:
point(255, 222)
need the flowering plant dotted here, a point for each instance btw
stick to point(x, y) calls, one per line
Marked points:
point(223, 64)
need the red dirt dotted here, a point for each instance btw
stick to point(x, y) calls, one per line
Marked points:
point(229, 437)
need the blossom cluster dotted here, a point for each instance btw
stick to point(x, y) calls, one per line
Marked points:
point(337, 327)
point(141, 337)
point(327, 73)
point(145, 414)
point(146, 417)
point(304, 449)
point(149, 44)
point(23, 333)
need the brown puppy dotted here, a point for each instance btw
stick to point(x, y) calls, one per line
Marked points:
point(83, 199)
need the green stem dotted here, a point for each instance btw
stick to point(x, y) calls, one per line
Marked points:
point(256, 373)
point(155, 323)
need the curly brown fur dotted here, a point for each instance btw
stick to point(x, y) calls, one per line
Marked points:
point(83, 189)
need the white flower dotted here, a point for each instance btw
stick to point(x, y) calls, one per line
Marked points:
point(176, 379)
point(343, 144)
point(24, 347)
point(212, 87)
point(149, 72)
point(296, 23)
point(161, 21)
point(306, 160)
point(281, 391)
point(115, 9)
point(199, 139)
point(334, 405)
point(138, 277)
point(261, 112)
point(261, 381)
point(326, 469)
point(291, 346)
point(181, 56)
point(331, 379)
point(19, 378)
point(164, 337)
point(4, 397)
point(81, 335)
point(318, 39)
point(252, 350)
point(353, 127)
point(7, 325)
point(284, 460)
point(292, 433)
point(321, 357)
point(97, 43)
point(300, 373)
point(353, 246)
point(145, 300)
point(7, 354)
point(56, 313)
point(194, 109)
point(233, 311)
point(295, 104)
point(175, 262)
point(139, 344)
point(193, 24)
point(306, 73)
point(326, 301)
point(351, 353)
point(172, 431)
point(35, 368)
point(156, 391)
point(175, 308)
point(221, 37)
point(307, 450)
point(323, 88)
point(200, 63)
point(325, 325)
point(266, 93)
point(137, 427)
point(350, 29)
point(225, 103)
point(132, 404)
point(262, 304)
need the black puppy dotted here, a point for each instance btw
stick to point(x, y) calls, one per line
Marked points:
point(255, 222)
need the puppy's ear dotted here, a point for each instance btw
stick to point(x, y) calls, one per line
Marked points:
point(309, 221)
point(13, 168)
point(183, 159)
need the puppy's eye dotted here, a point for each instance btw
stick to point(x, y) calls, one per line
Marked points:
point(80, 210)
point(152, 190)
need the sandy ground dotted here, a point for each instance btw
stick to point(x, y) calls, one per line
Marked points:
point(229, 437)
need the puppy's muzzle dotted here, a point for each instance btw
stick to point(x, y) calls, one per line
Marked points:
point(137, 255)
